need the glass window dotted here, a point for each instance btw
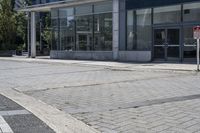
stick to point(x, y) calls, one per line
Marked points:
point(55, 39)
point(103, 32)
point(63, 12)
point(169, 14)
point(144, 32)
point(81, 29)
point(67, 35)
point(54, 18)
point(84, 10)
point(139, 30)
point(55, 29)
point(131, 32)
point(84, 32)
point(54, 13)
point(103, 7)
point(191, 12)
point(189, 43)
point(66, 12)
point(67, 31)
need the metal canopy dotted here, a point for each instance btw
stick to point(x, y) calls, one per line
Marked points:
point(60, 4)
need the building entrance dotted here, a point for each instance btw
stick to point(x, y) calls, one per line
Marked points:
point(167, 44)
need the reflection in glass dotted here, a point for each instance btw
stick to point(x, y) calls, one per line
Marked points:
point(139, 30)
point(103, 7)
point(173, 42)
point(67, 35)
point(173, 53)
point(159, 43)
point(144, 31)
point(173, 37)
point(169, 14)
point(55, 39)
point(189, 43)
point(191, 12)
point(103, 32)
point(159, 37)
point(131, 32)
point(84, 30)
point(67, 30)
point(83, 10)
point(159, 53)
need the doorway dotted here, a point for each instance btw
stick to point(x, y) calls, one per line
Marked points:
point(167, 44)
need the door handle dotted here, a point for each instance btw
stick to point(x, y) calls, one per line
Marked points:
point(165, 45)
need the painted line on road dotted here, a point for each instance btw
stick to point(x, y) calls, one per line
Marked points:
point(4, 127)
point(14, 112)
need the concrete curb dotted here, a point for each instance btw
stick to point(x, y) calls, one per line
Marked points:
point(112, 65)
point(59, 121)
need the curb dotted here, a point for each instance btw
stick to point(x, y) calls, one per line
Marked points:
point(87, 63)
point(59, 121)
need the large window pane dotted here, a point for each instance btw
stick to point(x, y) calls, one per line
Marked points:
point(66, 12)
point(54, 18)
point(84, 32)
point(103, 7)
point(139, 30)
point(131, 32)
point(103, 32)
point(83, 10)
point(55, 39)
point(67, 33)
point(83, 28)
point(144, 32)
point(191, 12)
point(189, 44)
point(169, 14)
point(54, 13)
point(55, 29)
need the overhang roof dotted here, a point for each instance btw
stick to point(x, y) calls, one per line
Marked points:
point(60, 4)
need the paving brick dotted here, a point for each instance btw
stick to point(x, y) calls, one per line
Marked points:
point(111, 100)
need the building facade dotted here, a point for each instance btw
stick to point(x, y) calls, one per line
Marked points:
point(125, 30)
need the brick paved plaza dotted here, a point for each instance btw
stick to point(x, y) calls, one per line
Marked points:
point(111, 99)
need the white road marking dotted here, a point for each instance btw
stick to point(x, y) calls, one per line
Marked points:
point(4, 127)
point(14, 112)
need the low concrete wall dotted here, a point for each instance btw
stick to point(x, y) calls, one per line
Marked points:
point(135, 56)
point(82, 55)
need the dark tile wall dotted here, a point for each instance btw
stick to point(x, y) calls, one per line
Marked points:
point(132, 4)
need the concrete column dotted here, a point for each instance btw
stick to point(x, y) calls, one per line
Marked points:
point(116, 29)
point(33, 35)
point(28, 35)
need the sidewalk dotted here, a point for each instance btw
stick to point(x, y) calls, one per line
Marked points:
point(107, 97)
point(111, 64)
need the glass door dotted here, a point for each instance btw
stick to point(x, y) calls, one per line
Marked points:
point(173, 44)
point(159, 44)
point(167, 44)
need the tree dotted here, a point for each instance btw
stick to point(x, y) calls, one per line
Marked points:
point(7, 25)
